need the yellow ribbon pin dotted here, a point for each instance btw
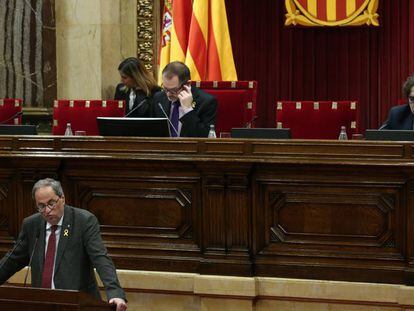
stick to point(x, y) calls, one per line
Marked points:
point(66, 232)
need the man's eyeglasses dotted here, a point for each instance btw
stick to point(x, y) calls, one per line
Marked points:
point(174, 91)
point(51, 205)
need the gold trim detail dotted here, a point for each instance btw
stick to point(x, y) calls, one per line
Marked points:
point(279, 105)
point(353, 105)
point(365, 15)
point(147, 18)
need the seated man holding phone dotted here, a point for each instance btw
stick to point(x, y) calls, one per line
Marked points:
point(190, 110)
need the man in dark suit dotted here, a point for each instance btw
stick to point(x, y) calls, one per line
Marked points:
point(190, 110)
point(402, 117)
point(65, 244)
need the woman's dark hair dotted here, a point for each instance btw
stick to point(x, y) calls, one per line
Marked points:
point(408, 85)
point(178, 69)
point(132, 67)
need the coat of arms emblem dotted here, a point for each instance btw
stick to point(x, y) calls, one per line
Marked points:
point(332, 12)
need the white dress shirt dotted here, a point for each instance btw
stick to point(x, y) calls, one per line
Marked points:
point(132, 97)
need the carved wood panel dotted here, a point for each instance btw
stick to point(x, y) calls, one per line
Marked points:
point(324, 210)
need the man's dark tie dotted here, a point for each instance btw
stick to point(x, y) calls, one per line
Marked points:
point(175, 118)
point(50, 259)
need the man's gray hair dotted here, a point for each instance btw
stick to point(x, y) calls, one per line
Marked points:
point(48, 182)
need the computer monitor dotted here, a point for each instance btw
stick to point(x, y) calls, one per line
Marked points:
point(260, 133)
point(17, 129)
point(140, 127)
point(393, 135)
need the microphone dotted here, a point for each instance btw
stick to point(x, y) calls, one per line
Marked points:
point(138, 106)
point(17, 114)
point(168, 119)
point(10, 253)
point(249, 124)
point(29, 266)
point(383, 126)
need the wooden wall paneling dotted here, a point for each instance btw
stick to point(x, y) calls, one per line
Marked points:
point(226, 215)
point(7, 213)
point(408, 221)
point(144, 208)
point(308, 209)
point(315, 215)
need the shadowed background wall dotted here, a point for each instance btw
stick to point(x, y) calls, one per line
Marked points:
point(367, 64)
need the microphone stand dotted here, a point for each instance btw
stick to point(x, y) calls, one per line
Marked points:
point(138, 106)
point(168, 119)
point(12, 117)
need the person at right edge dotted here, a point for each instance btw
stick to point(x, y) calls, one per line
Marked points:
point(190, 110)
point(402, 117)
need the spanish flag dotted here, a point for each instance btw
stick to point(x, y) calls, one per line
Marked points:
point(196, 32)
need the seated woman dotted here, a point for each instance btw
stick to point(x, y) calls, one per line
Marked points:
point(137, 88)
point(402, 117)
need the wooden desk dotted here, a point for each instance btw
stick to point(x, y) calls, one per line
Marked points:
point(303, 209)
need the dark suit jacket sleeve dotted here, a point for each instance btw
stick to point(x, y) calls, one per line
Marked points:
point(99, 257)
point(119, 95)
point(17, 260)
point(196, 123)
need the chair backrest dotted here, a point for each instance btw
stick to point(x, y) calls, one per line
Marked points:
point(82, 114)
point(236, 102)
point(10, 107)
point(317, 120)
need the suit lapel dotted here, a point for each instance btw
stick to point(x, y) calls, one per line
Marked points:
point(39, 255)
point(65, 234)
point(127, 102)
point(166, 104)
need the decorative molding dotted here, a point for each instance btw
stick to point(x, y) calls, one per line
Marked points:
point(148, 15)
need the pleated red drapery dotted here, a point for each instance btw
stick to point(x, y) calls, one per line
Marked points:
point(368, 64)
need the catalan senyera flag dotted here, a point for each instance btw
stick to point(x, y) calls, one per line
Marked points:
point(196, 33)
point(332, 12)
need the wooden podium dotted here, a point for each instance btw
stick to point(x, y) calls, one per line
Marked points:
point(33, 299)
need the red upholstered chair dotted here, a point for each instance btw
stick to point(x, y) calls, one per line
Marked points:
point(9, 107)
point(317, 120)
point(236, 102)
point(82, 114)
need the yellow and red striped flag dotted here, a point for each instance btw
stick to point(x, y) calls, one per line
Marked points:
point(196, 32)
point(174, 39)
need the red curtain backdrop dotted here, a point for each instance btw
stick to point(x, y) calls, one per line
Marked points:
point(364, 64)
